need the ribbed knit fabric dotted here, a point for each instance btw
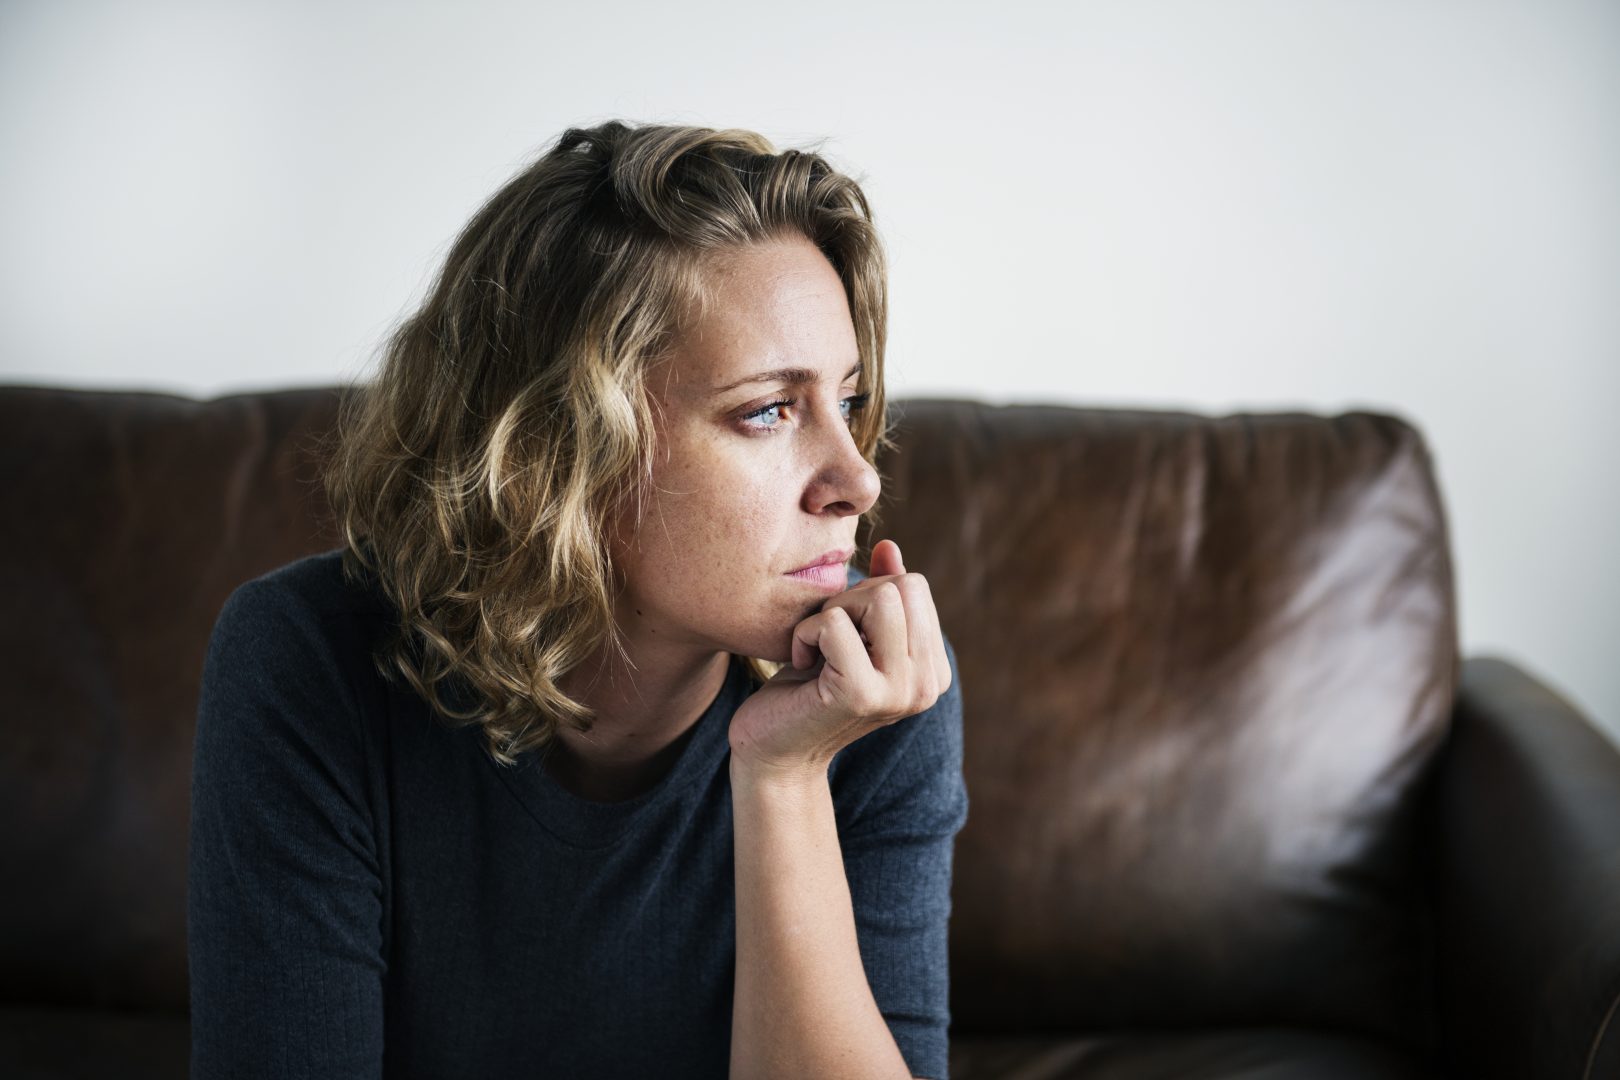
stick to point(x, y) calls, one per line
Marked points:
point(371, 895)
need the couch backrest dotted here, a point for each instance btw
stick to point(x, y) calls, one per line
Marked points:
point(1205, 662)
point(129, 519)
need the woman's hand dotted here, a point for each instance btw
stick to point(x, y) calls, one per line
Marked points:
point(872, 655)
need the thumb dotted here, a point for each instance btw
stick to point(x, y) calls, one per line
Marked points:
point(886, 560)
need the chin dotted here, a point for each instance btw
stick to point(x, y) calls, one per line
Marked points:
point(778, 649)
point(767, 643)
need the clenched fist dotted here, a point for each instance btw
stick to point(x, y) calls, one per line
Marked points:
point(872, 655)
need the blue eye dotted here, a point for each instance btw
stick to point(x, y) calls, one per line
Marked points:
point(855, 403)
point(773, 405)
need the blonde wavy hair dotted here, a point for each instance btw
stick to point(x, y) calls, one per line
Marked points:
point(475, 475)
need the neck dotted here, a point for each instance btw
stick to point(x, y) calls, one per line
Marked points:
point(643, 719)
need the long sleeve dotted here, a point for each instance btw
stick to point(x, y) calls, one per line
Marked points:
point(285, 902)
point(898, 845)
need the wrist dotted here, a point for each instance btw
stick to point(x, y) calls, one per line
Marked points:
point(755, 775)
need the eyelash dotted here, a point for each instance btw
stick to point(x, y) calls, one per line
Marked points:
point(857, 402)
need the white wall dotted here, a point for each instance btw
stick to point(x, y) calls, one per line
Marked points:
point(1406, 206)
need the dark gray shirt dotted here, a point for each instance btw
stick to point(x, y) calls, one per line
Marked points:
point(371, 895)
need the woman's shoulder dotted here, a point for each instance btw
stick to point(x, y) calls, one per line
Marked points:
point(316, 583)
point(309, 614)
point(315, 590)
point(284, 745)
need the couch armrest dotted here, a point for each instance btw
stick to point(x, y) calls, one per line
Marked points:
point(1526, 858)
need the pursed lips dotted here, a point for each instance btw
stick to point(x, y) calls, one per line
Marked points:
point(836, 556)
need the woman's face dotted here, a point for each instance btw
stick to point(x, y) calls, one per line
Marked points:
point(747, 491)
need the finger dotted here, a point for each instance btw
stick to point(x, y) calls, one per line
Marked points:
point(833, 634)
point(885, 623)
point(928, 639)
point(913, 594)
point(922, 637)
point(883, 630)
point(886, 560)
point(805, 636)
point(878, 683)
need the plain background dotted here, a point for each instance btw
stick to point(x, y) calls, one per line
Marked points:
point(1398, 205)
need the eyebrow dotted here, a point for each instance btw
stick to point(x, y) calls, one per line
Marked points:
point(793, 376)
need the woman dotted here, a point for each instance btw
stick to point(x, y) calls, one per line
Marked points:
point(564, 764)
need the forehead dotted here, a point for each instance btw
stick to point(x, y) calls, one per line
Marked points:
point(771, 305)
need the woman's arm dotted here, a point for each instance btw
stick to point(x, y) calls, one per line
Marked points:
point(821, 904)
point(863, 665)
point(803, 1006)
point(284, 910)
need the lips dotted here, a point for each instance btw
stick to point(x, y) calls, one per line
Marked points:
point(836, 555)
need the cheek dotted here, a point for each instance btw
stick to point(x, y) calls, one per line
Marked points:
point(725, 493)
point(740, 522)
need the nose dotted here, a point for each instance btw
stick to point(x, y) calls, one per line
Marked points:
point(844, 482)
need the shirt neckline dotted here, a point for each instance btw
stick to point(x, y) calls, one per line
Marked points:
point(584, 823)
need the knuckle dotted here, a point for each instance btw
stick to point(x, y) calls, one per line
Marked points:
point(918, 595)
point(870, 701)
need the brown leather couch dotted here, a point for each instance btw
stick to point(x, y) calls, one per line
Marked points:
point(1237, 807)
